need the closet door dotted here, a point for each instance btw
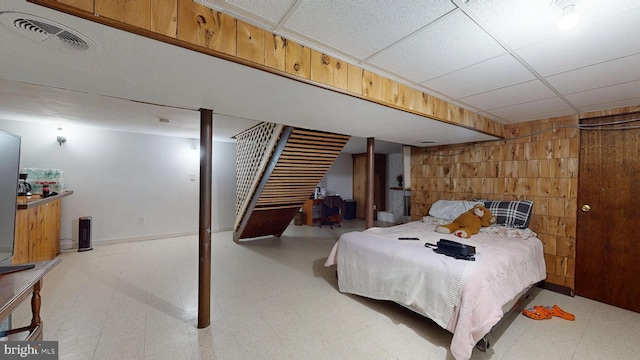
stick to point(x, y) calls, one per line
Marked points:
point(607, 245)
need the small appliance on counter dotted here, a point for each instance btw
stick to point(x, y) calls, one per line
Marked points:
point(44, 181)
point(24, 188)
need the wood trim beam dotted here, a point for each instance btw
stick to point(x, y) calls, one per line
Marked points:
point(204, 238)
point(368, 203)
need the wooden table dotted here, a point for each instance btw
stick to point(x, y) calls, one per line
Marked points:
point(14, 289)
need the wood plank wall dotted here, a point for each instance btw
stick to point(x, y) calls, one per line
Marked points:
point(188, 24)
point(542, 167)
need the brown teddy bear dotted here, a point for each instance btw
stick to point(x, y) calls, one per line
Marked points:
point(469, 222)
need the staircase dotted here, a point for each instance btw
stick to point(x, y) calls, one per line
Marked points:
point(278, 168)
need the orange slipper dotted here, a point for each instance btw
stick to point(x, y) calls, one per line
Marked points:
point(536, 314)
point(556, 311)
point(543, 310)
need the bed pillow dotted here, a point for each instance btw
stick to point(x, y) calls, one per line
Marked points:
point(434, 220)
point(516, 213)
point(506, 231)
point(451, 209)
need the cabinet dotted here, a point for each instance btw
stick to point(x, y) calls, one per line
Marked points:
point(379, 183)
point(37, 235)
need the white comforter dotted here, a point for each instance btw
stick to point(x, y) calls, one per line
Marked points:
point(464, 297)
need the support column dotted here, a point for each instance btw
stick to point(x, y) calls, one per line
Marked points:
point(204, 252)
point(369, 203)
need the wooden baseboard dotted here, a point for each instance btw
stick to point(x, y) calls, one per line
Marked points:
point(564, 290)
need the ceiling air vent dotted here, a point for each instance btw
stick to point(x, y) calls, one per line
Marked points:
point(45, 31)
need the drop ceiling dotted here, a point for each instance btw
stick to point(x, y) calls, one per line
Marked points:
point(505, 60)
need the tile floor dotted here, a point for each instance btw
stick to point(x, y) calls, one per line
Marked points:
point(274, 299)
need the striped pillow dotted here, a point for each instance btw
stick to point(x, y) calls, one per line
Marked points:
point(516, 213)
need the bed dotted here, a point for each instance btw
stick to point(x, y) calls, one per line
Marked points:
point(464, 297)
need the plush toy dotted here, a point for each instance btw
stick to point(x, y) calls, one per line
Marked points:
point(469, 222)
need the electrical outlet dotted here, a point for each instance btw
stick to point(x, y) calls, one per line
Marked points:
point(192, 177)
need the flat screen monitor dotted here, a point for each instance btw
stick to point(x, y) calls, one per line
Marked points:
point(9, 169)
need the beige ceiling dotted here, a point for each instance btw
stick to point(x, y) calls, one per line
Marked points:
point(502, 59)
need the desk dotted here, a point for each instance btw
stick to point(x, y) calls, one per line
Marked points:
point(14, 289)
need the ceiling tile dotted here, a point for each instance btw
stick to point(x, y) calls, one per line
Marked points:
point(451, 43)
point(610, 105)
point(518, 23)
point(524, 22)
point(595, 76)
point(356, 27)
point(603, 40)
point(628, 90)
point(536, 109)
point(510, 95)
point(544, 115)
point(488, 75)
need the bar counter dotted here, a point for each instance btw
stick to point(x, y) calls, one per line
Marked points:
point(26, 202)
point(37, 236)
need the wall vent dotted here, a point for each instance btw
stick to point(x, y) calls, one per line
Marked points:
point(45, 31)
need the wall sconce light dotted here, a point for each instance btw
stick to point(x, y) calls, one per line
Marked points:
point(60, 136)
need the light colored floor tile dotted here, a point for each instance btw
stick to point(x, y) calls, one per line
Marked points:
point(272, 298)
point(611, 332)
point(217, 342)
point(120, 348)
point(170, 340)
